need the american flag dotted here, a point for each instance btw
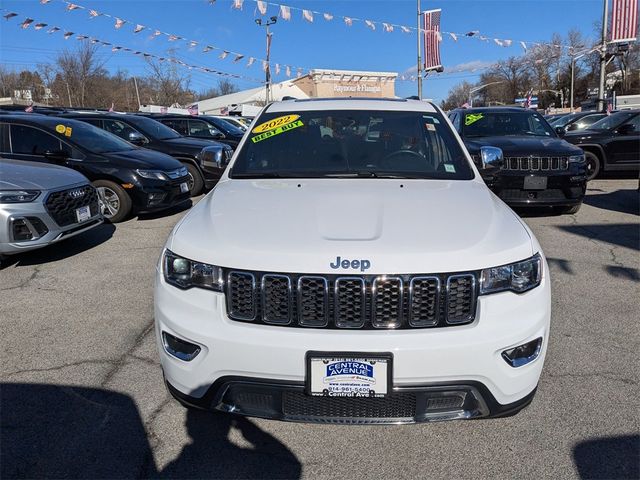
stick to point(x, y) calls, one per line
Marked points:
point(29, 109)
point(432, 39)
point(624, 20)
point(527, 102)
point(193, 109)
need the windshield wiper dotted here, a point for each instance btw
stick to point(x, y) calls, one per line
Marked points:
point(370, 174)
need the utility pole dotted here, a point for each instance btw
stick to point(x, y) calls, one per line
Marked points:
point(267, 72)
point(68, 94)
point(603, 59)
point(419, 33)
point(135, 82)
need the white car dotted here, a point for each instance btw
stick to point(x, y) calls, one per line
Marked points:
point(351, 266)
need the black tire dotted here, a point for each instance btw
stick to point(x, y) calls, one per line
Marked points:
point(593, 165)
point(569, 210)
point(196, 182)
point(114, 201)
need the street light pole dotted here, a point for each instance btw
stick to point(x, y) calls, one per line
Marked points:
point(267, 72)
point(603, 59)
point(477, 89)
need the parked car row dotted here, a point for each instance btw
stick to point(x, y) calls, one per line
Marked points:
point(117, 165)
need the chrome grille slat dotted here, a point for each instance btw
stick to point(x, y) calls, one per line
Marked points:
point(351, 302)
point(535, 163)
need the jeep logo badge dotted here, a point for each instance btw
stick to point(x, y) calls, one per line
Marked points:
point(362, 265)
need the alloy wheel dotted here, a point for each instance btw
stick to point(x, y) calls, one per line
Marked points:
point(108, 201)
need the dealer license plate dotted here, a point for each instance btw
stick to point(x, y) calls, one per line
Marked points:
point(349, 375)
point(535, 183)
point(184, 187)
point(83, 214)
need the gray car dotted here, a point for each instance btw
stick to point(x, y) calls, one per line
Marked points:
point(41, 204)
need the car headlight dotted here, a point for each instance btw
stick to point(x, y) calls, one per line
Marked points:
point(184, 273)
point(577, 159)
point(517, 277)
point(18, 196)
point(152, 174)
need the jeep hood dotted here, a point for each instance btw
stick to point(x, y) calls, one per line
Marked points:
point(524, 145)
point(399, 226)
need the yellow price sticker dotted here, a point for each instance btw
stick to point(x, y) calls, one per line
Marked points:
point(277, 131)
point(67, 132)
point(472, 118)
point(60, 128)
point(275, 123)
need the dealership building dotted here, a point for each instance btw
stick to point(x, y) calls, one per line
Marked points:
point(317, 83)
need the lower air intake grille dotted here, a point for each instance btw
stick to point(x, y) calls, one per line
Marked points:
point(394, 405)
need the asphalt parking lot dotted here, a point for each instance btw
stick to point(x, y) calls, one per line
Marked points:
point(82, 391)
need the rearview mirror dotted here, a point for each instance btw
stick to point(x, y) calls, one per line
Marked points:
point(137, 138)
point(492, 158)
point(626, 129)
point(56, 155)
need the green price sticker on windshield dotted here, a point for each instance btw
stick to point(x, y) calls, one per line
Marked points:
point(276, 131)
point(472, 118)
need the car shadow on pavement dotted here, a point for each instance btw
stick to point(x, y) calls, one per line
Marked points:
point(63, 249)
point(611, 457)
point(56, 431)
point(621, 234)
point(623, 201)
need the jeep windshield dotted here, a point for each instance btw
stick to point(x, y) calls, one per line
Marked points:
point(498, 124)
point(352, 144)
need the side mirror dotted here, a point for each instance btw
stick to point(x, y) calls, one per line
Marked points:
point(214, 157)
point(217, 135)
point(573, 126)
point(492, 158)
point(137, 138)
point(560, 131)
point(627, 129)
point(56, 155)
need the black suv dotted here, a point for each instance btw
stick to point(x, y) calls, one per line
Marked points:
point(538, 169)
point(148, 133)
point(612, 143)
point(202, 126)
point(127, 178)
point(575, 121)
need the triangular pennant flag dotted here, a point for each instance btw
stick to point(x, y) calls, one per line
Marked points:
point(138, 28)
point(173, 38)
point(238, 57)
point(285, 12)
point(307, 15)
point(262, 7)
point(264, 65)
point(288, 71)
point(207, 49)
point(94, 13)
point(277, 69)
point(250, 62)
point(53, 30)
point(105, 44)
point(348, 21)
point(299, 73)
point(454, 37)
point(524, 46)
point(82, 37)
point(193, 44)
point(119, 23)
point(405, 29)
point(223, 55)
point(327, 16)
point(72, 6)
point(507, 43)
point(237, 4)
point(387, 27)
point(472, 33)
point(370, 24)
point(483, 38)
point(39, 26)
point(498, 42)
point(44, 2)
point(94, 40)
point(26, 23)
point(9, 15)
point(67, 35)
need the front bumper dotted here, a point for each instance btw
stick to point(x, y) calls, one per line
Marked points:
point(563, 189)
point(11, 212)
point(463, 358)
point(158, 195)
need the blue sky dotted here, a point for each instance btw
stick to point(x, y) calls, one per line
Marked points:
point(322, 44)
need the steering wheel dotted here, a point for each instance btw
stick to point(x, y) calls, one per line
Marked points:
point(401, 152)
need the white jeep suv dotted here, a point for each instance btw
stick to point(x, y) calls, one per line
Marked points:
point(352, 267)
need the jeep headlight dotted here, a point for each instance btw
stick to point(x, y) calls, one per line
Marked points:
point(184, 273)
point(517, 277)
point(577, 159)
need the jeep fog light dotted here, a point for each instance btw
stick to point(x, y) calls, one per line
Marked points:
point(178, 348)
point(523, 354)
